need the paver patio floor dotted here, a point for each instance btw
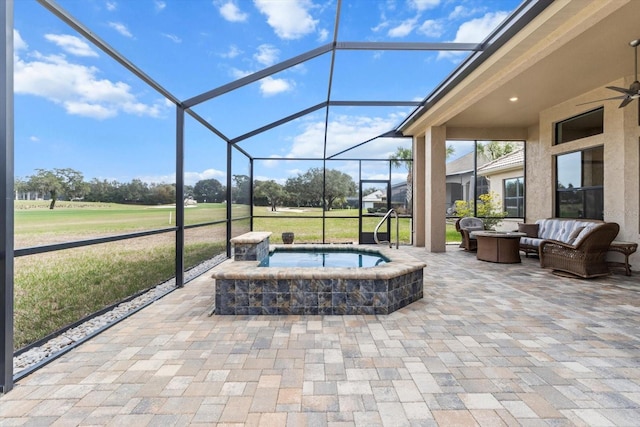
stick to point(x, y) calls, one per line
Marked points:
point(489, 344)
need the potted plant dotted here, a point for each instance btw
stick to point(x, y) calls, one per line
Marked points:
point(287, 237)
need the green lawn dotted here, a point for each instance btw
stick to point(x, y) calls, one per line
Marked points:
point(58, 288)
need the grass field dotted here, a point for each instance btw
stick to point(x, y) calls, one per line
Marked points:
point(55, 289)
point(58, 288)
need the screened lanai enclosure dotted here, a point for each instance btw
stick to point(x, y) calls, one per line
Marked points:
point(128, 167)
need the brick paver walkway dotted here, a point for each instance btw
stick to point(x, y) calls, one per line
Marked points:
point(488, 345)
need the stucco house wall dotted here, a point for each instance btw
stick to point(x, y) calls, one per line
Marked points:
point(621, 159)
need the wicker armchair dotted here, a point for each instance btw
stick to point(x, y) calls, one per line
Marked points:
point(585, 258)
point(465, 226)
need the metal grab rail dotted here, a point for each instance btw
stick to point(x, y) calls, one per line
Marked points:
point(384, 218)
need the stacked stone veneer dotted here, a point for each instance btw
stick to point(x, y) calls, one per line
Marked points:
point(253, 246)
point(244, 288)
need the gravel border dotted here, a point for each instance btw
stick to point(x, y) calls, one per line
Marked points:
point(73, 336)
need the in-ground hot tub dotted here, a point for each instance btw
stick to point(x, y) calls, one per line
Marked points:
point(242, 287)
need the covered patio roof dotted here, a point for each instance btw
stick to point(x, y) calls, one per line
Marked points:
point(569, 49)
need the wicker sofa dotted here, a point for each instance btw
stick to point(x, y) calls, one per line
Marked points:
point(575, 246)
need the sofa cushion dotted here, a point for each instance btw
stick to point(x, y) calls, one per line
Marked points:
point(574, 234)
point(562, 229)
point(531, 230)
point(533, 242)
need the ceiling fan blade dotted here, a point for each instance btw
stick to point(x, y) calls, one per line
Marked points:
point(605, 99)
point(621, 89)
point(625, 101)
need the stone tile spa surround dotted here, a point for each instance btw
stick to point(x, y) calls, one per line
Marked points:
point(244, 288)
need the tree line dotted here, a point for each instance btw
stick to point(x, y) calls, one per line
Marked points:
point(302, 190)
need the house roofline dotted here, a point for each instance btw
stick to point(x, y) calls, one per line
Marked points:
point(518, 20)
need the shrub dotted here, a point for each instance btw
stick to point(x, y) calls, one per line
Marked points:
point(489, 209)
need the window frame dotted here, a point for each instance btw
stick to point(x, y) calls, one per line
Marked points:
point(519, 197)
point(559, 136)
point(583, 192)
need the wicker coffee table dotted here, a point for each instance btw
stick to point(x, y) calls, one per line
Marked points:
point(498, 246)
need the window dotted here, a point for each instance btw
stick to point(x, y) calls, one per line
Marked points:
point(482, 185)
point(579, 185)
point(586, 124)
point(514, 197)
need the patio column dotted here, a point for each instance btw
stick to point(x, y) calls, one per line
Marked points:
point(435, 188)
point(418, 191)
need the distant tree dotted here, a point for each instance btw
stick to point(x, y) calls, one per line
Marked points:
point(310, 187)
point(495, 149)
point(299, 192)
point(338, 185)
point(135, 192)
point(162, 194)
point(20, 186)
point(102, 191)
point(209, 190)
point(450, 151)
point(241, 190)
point(45, 182)
point(403, 157)
point(72, 182)
point(273, 192)
point(189, 191)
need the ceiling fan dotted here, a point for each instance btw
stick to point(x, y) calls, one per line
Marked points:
point(633, 92)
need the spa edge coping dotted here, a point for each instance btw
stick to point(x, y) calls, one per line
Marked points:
point(247, 270)
point(251, 237)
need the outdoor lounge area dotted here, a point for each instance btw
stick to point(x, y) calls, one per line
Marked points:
point(489, 345)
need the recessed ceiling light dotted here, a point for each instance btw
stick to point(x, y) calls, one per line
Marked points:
point(513, 99)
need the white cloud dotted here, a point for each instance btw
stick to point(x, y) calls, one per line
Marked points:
point(478, 29)
point(290, 20)
point(323, 35)
point(173, 38)
point(160, 5)
point(267, 54)
point(462, 12)
point(431, 28)
point(71, 44)
point(381, 26)
point(111, 6)
point(270, 86)
point(344, 132)
point(404, 29)
point(121, 28)
point(424, 4)
point(474, 31)
point(190, 178)
point(18, 42)
point(232, 13)
point(34, 138)
point(78, 89)
point(299, 69)
point(238, 74)
point(232, 52)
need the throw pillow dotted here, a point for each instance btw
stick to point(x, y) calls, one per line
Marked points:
point(531, 230)
point(574, 235)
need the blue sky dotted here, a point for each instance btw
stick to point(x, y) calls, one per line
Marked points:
point(76, 107)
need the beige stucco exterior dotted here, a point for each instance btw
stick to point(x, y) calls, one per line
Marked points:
point(569, 53)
